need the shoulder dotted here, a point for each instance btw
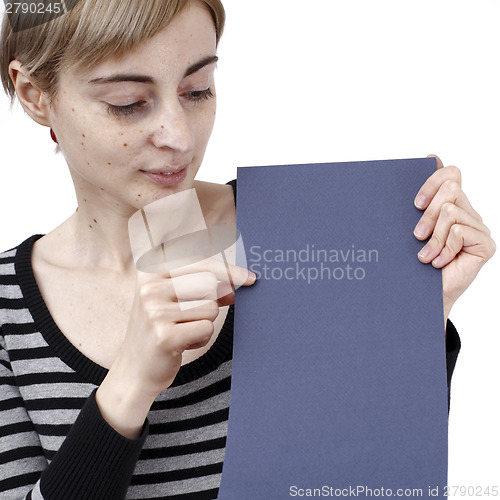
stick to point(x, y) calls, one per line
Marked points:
point(212, 188)
point(27, 243)
point(8, 279)
point(7, 260)
point(217, 202)
point(21, 251)
point(12, 263)
point(7, 257)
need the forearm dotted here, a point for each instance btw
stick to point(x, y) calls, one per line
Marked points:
point(123, 404)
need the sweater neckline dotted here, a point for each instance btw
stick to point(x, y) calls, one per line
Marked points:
point(219, 352)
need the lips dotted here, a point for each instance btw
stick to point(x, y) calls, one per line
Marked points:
point(167, 175)
point(166, 170)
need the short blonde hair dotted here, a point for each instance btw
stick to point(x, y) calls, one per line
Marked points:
point(88, 33)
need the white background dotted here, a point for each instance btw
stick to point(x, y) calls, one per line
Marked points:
point(330, 80)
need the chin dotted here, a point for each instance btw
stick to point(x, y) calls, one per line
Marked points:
point(168, 191)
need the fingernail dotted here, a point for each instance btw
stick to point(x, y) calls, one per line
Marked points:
point(438, 260)
point(251, 277)
point(420, 230)
point(420, 201)
point(424, 252)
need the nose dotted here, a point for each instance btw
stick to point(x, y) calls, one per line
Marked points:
point(173, 129)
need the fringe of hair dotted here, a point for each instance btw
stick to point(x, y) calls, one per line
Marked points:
point(88, 33)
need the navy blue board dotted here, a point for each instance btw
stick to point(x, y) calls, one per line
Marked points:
point(339, 367)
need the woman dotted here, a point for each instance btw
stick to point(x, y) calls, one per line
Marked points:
point(99, 364)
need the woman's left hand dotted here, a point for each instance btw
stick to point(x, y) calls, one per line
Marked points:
point(460, 243)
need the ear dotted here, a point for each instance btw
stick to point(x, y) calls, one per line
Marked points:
point(32, 99)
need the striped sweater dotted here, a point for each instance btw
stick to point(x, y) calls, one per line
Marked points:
point(54, 443)
point(47, 393)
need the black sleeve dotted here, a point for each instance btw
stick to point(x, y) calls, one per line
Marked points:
point(94, 461)
point(452, 349)
point(233, 184)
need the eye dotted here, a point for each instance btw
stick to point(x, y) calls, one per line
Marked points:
point(127, 110)
point(198, 95)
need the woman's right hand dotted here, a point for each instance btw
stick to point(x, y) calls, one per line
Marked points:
point(170, 315)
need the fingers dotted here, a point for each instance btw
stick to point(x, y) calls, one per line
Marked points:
point(450, 218)
point(433, 184)
point(209, 279)
point(224, 272)
point(175, 295)
point(185, 289)
point(449, 192)
point(189, 335)
point(464, 239)
point(196, 286)
point(173, 313)
point(157, 291)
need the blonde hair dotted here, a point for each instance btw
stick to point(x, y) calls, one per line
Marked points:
point(88, 33)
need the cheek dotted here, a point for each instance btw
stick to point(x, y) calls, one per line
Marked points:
point(90, 141)
point(204, 125)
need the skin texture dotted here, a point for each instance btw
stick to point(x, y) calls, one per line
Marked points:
point(84, 267)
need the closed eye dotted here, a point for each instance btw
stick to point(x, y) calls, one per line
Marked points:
point(199, 95)
point(127, 110)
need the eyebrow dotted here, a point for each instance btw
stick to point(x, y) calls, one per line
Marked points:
point(126, 77)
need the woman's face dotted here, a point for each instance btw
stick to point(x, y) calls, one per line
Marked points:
point(135, 129)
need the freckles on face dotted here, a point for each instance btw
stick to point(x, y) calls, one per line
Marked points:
point(95, 151)
point(151, 108)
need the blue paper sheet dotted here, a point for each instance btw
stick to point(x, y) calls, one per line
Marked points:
point(339, 374)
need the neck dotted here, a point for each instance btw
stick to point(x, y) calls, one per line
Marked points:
point(96, 236)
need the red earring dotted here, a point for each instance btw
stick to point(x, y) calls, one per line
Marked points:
point(54, 138)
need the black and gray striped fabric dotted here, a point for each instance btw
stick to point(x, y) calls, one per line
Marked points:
point(47, 389)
